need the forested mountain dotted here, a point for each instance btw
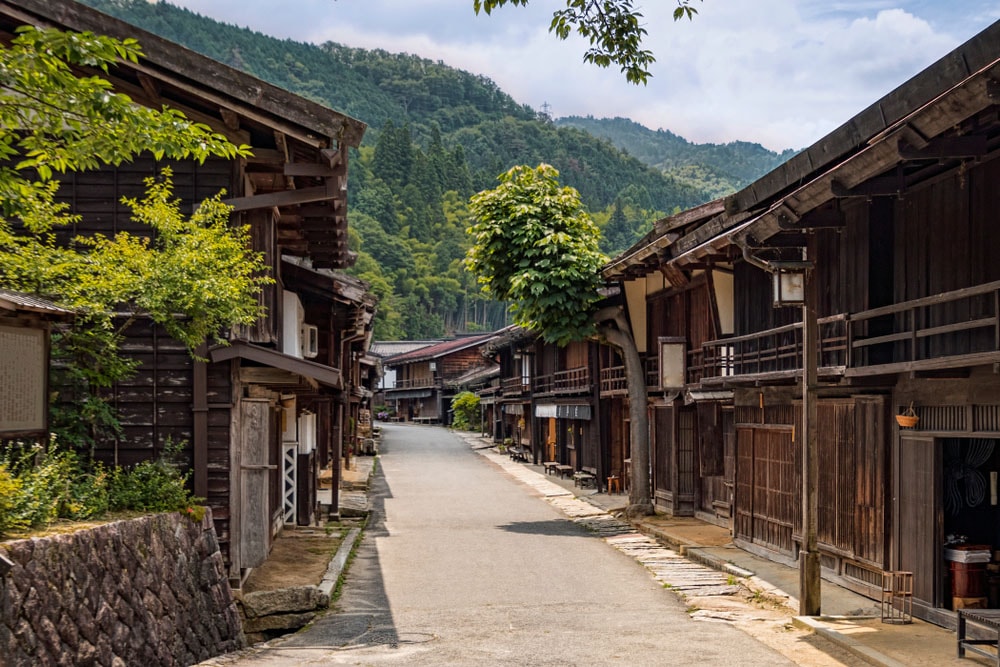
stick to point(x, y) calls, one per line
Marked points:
point(717, 168)
point(436, 136)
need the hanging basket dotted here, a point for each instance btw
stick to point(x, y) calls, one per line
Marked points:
point(907, 419)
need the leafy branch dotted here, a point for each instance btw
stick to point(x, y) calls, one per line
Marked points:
point(612, 27)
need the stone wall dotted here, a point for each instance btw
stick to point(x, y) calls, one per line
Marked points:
point(149, 591)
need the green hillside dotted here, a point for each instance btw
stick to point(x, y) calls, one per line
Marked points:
point(719, 169)
point(438, 135)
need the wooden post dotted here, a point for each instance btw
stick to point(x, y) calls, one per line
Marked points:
point(809, 561)
point(199, 411)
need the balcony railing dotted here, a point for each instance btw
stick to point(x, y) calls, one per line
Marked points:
point(613, 380)
point(572, 381)
point(773, 353)
point(515, 386)
point(947, 330)
point(418, 383)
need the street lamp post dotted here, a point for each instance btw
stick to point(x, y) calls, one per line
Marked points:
point(794, 285)
point(809, 560)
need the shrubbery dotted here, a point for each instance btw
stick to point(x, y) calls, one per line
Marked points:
point(39, 485)
point(466, 411)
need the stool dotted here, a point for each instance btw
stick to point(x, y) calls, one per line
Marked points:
point(897, 597)
point(614, 484)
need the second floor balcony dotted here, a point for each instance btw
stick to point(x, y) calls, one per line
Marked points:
point(953, 329)
point(415, 383)
point(515, 386)
point(571, 381)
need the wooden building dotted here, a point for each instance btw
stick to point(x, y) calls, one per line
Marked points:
point(888, 228)
point(511, 399)
point(564, 406)
point(263, 413)
point(425, 377)
point(545, 404)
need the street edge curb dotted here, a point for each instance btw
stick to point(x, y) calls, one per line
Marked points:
point(337, 563)
point(816, 625)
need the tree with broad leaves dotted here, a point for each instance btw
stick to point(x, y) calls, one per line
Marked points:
point(613, 28)
point(194, 275)
point(535, 247)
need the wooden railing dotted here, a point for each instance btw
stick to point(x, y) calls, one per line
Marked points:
point(613, 380)
point(947, 330)
point(773, 353)
point(515, 386)
point(418, 383)
point(572, 381)
point(957, 328)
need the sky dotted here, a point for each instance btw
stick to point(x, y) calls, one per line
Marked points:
point(782, 73)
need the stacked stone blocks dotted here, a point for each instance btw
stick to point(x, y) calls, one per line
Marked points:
point(148, 591)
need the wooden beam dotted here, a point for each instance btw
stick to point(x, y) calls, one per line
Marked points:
point(151, 86)
point(879, 186)
point(320, 224)
point(267, 156)
point(332, 156)
point(321, 210)
point(673, 275)
point(786, 216)
point(942, 148)
point(826, 216)
point(284, 198)
point(230, 118)
point(309, 169)
point(274, 376)
point(281, 144)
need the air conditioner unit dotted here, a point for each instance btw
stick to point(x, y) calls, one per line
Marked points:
point(310, 341)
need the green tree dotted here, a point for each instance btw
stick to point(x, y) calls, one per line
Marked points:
point(617, 233)
point(54, 120)
point(613, 28)
point(536, 248)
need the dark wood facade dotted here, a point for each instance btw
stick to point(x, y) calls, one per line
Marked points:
point(265, 412)
point(426, 377)
point(897, 214)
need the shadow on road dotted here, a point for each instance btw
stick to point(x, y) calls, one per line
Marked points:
point(361, 617)
point(555, 527)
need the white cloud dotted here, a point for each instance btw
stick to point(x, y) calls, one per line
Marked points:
point(782, 73)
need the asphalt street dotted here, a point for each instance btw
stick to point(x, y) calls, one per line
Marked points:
point(464, 565)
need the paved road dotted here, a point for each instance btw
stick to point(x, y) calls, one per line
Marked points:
point(464, 565)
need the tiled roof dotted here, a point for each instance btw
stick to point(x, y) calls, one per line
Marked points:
point(390, 348)
point(438, 350)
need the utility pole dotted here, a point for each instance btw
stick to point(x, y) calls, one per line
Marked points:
point(809, 560)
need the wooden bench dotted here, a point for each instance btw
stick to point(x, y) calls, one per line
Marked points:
point(519, 454)
point(551, 467)
point(564, 470)
point(585, 478)
point(986, 619)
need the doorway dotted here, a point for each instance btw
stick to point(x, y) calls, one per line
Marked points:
point(971, 523)
point(946, 504)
